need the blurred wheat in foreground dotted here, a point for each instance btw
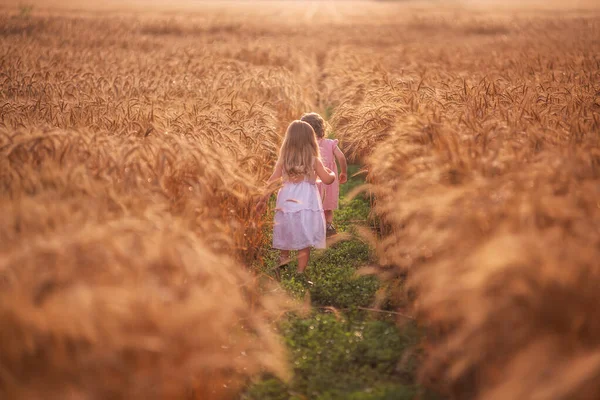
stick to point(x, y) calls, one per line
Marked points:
point(133, 140)
point(126, 182)
point(486, 170)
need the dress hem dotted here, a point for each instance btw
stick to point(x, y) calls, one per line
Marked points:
point(297, 211)
point(301, 248)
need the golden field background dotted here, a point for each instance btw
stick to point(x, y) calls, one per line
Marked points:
point(134, 140)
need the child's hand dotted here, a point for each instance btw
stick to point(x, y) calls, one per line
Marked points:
point(343, 177)
point(331, 173)
point(261, 205)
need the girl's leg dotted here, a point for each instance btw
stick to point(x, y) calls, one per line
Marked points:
point(329, 216)
point(330, 229)
point(284, 257)
point(303, 256)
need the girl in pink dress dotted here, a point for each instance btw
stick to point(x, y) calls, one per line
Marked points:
point(299, 219)
point(329, 153)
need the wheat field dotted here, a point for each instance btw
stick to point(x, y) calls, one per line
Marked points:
point(135, 138)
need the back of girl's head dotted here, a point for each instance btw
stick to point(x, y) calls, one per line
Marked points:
point(317, 123)
point(299, 149)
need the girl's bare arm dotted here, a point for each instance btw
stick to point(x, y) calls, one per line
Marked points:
point(341, 158)
point(277, 172)
point(275, 176)
point(326, 175)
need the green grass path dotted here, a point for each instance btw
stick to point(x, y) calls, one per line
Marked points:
point(341, 351)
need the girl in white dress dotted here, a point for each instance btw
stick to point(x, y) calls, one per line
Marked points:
point(299, 219)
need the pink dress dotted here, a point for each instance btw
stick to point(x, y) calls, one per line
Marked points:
point(299, 218)
point(329, 193)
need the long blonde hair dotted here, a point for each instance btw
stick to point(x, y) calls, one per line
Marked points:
point(299, 149)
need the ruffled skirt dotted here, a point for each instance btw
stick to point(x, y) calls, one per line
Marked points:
point(299, 218)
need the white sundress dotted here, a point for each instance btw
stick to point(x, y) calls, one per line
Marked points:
point(299, 217)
